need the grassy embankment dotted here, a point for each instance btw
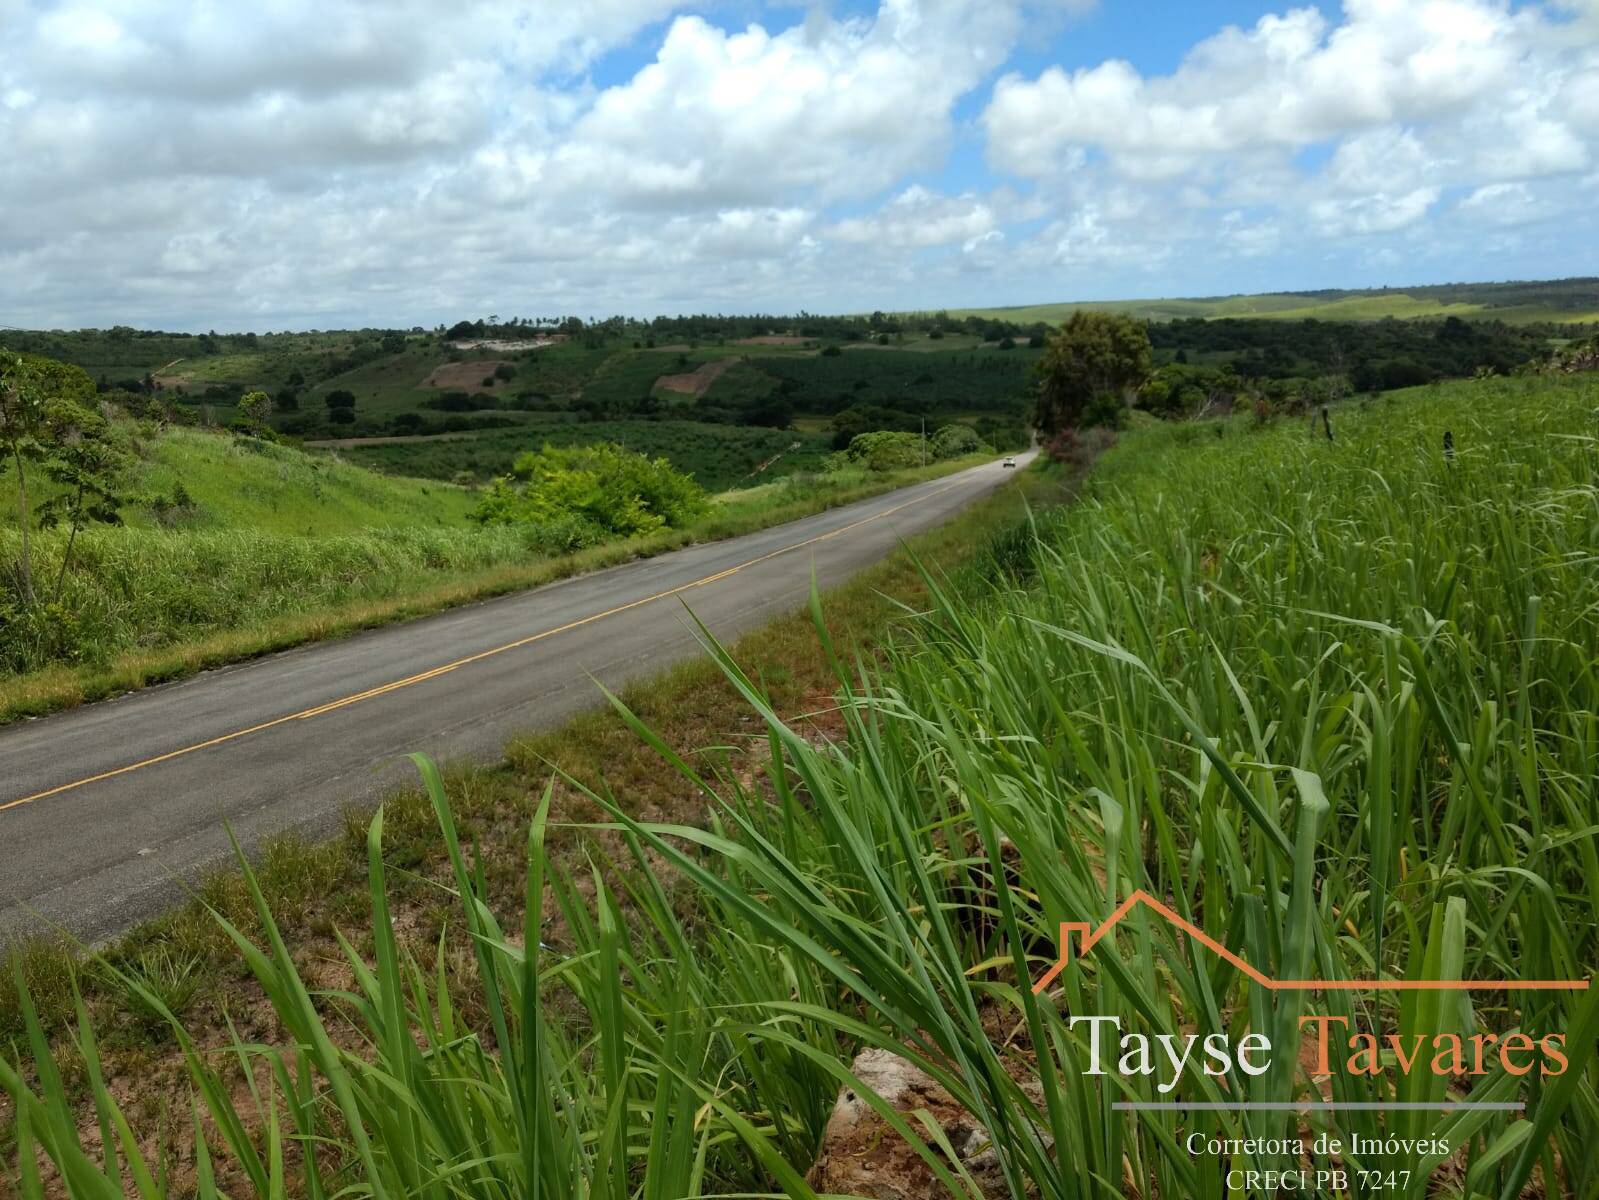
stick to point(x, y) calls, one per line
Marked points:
point(1335, 703)
point(271, 547)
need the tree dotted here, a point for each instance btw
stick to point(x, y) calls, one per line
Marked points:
point(340, 400)
point(254, 409)
point(21, 431)
point(91, 467)
point(42, 404)
point(1093, 360)
point(857, 419)
point(953, 441)
point(774, 411)
point(884, 450)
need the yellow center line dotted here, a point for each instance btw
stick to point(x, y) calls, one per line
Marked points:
point(435, 672)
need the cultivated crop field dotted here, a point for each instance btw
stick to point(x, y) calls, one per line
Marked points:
point(931, 382)
point(1333, 702)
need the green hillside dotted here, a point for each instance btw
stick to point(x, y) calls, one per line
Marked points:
point(1556, 301)
point(242, 482)
point(743, 378)
point(203, 480)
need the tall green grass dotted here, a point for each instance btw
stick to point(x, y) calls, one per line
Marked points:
point(139, 589)
point(244, 483)
point(196, 480)
point(1336, 703)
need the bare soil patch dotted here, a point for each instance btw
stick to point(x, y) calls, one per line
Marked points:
point(699, 380)
point(466, 376)
point(774, 339)
point(508, 345)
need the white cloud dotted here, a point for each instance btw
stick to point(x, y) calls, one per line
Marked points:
point(1376, 212)
point(1291, 81)
point(1250, 238)
point(1354, 127)
point(344, 161)
point(838, 107)
point(918, 217)
point(296, 157)
point(1510, 204)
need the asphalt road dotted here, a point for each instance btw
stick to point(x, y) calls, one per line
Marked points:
point(104, 807)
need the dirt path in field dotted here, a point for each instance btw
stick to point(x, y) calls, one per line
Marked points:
point(402, 439)
point(175, 382)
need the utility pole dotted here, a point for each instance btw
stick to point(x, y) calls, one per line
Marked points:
point(924, 439)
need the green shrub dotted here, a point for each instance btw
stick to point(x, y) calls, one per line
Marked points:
point(885, 451)
point(953, 441)
point(604, 487)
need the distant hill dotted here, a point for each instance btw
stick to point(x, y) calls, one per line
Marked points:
point(447, 405)
point(455, 403)
point(1519, 303)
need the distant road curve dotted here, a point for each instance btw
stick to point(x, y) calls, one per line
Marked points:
point(399, 439)
point(102, 805)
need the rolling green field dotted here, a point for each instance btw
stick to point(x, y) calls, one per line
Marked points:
point(197, 480)
point(1560, 301)
point(846, 374)
point(244, 483)
point(1331, 701)
point(1282, 307)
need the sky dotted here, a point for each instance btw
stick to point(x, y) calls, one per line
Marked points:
point(290, 164)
